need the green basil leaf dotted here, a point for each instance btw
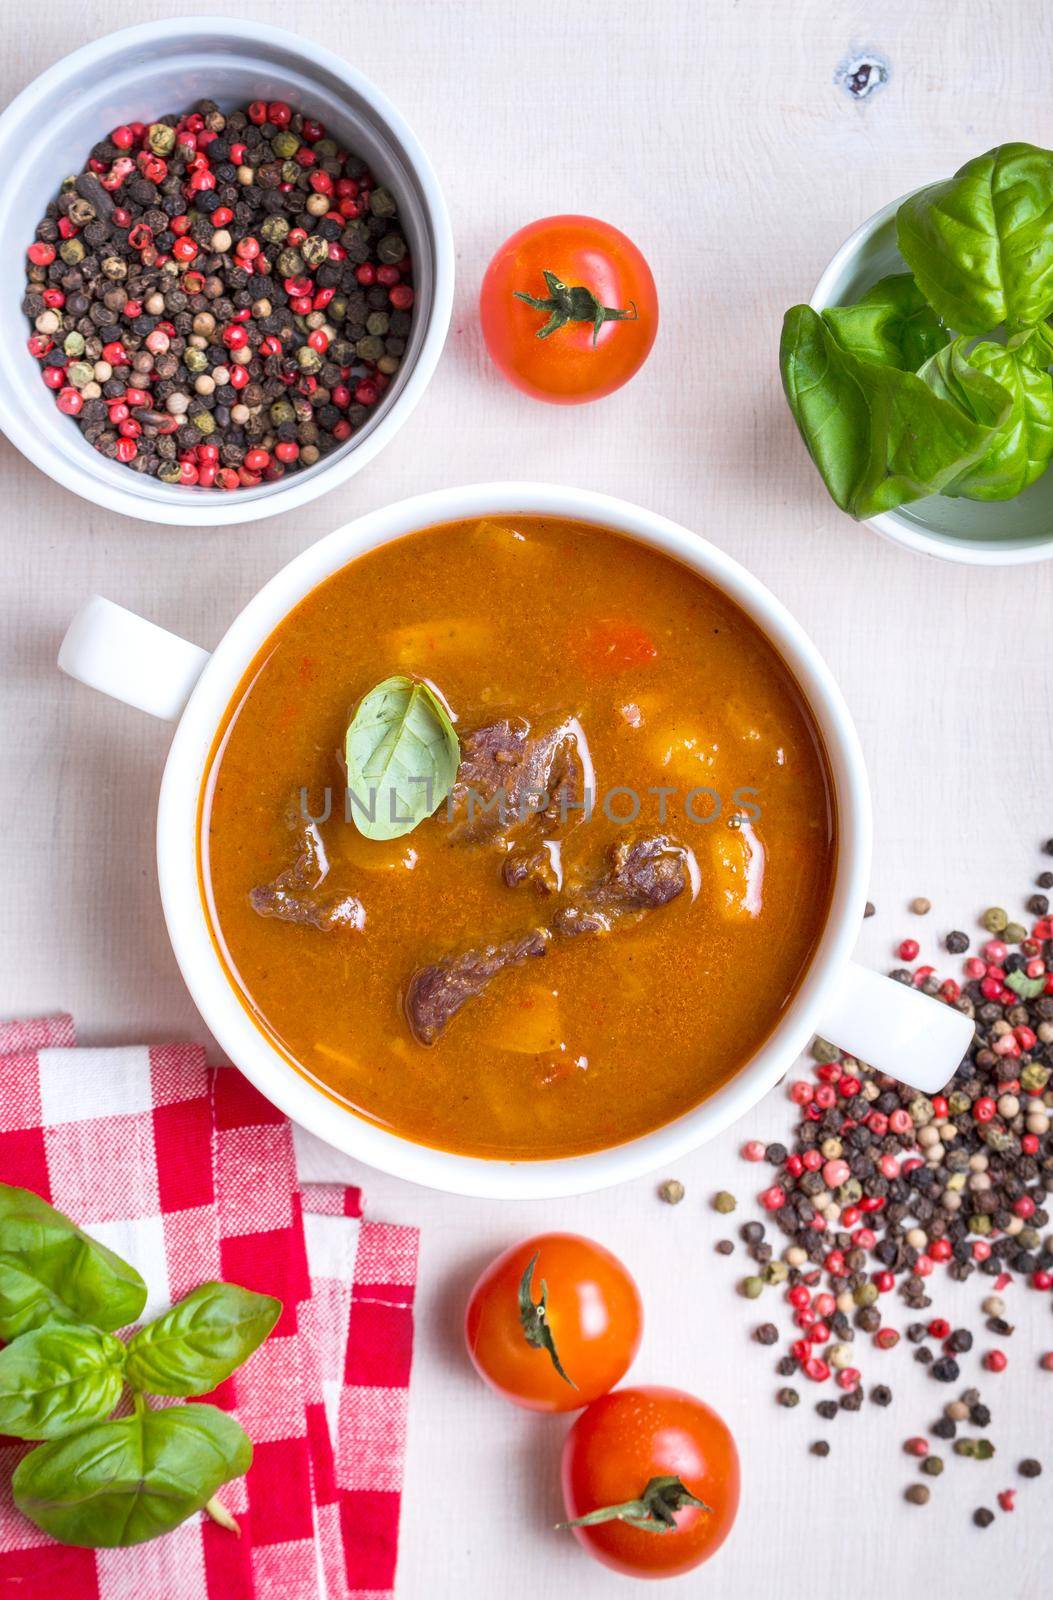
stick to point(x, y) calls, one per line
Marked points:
point(975, 379)
point(892, 324)
point(981, 244)
point(402, 757)
point(50, 1271)
point(201, 1341)
point(56, 1379)
point(880, 437)
point(1026, 988)
point(127, 1480)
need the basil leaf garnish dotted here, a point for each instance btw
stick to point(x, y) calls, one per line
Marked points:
point(52, 1272)
point(402, 756)
point(127, 1480)
point(54, 1380)
point(201, 1341)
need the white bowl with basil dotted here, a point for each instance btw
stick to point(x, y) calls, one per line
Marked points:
point(942, 438)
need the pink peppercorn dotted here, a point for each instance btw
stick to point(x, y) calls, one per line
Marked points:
point(1029, 1144)
point(798, 1296)
point(981, 1250)
point(974, 967)
point(69, 401)
point(819, 1333)
point(888, 1166)
point(801, 1092)
point(1024, 1206)
point(774, 1198)
point(996, 1361)
point(848, 1378)
point(884, 1282)
point(812, 1160)
point(819, 1371)
point(753, 1150)
point(924, 1266)
point(864, 1239)
point(826, 1096)
point(835, 1264)
point(1041, 1280)
point(1007, 1499)
point(886, 1338)
point(900, 1122)
point(940, 1249)
point(1045, 1361)
point(836, 1172)
point(917, 1446)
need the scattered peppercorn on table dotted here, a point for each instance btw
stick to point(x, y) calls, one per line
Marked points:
point(787, 134)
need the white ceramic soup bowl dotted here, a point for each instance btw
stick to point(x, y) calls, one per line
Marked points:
point(988, 534)
point(145, 72)
point(893, 1027)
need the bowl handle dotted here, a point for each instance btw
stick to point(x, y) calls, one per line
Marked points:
point(133, 660)
point(895, 1028)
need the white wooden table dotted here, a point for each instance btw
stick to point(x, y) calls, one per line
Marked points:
point(716, 133)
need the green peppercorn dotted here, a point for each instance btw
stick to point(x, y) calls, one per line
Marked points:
point(932, 1466)
point(391, 249)
point(72, 252)
point(195, 360)
point(290, 264)
point(307, 359)
point(382, 203)
point(994, 919)
point(315, 250)
point(1034, 1077)
point(369, 349)
point(378, 322)
point(775, 1272)
point(78, 373)
point(753, 1287)
point(823, 1050)
point(169, 472)
point(866, 1294)
point(723, 1202)
point(285, 144)
point(73, 344)
point(326, 149)
point(204, 422)
point(281, 411)
point(274, 229)
point(161, 138)
point(1014, 933)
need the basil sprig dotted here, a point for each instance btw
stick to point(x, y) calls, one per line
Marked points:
point(894, 397)
point(100, 1480)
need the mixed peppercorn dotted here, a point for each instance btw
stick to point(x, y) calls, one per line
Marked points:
point(881, 1186)
point(220, 299)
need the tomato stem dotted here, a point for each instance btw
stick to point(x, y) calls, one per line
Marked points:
point(574, 304)
point(654, 1511)
point(533, 1316)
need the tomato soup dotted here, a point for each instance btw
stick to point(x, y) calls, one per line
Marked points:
point(612, 908)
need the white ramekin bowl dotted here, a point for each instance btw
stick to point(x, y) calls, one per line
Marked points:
point(996, 533)
point(895, 1028)
point(145, 72)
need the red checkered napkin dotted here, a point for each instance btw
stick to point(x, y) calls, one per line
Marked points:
point(190, 1175)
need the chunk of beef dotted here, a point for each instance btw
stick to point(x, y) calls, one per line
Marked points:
point(641, 876)
point(507, 778)
point(296, 894)
point(437, 992)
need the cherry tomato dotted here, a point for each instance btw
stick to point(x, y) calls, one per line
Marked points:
point(554, 1322)
point(650, 1455)
point(569, 309)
